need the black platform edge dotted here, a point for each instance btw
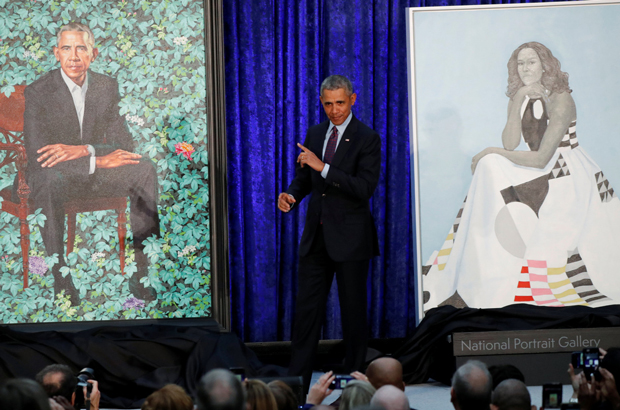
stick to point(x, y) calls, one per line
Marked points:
point(72, 327)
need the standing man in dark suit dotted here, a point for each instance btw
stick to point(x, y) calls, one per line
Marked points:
point(339, 166)
point(78, 145)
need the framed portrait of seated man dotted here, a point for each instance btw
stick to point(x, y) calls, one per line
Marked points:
point(108, 162)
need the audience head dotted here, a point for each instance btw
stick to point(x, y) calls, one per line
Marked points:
point(390, 398)
point(259, 396)
point(511, 394)
point(385, 371)
point(284, 395)
point(356, 393)
point(502, 372)
point(169, 397)
point(23, 394)
point(220, 389)
point(58, 380)
point(471, 387)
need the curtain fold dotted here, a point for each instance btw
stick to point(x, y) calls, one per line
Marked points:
point(277, 53)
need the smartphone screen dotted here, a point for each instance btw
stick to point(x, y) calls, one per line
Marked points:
point(552, 395)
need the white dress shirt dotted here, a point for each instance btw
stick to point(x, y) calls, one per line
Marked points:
point(79, 97)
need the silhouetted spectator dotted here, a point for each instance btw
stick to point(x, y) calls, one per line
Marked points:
point(390, 398)
point(60, 384)
point(471, 387)
point(23, 394)
point(259, 396)
point(602, 394)
point(383, 371)
point(220, 389)
point(284, 395)
point(356, 393)
point(501, 372)
point(169, 397)
point(511, 394)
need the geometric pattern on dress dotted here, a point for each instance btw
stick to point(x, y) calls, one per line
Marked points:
point(531, 193)
point(545, 286)
point(578, 274)
point(560, 169)
point(440, 258)
point(605, 190)
point(457, 220)
point(570, 137)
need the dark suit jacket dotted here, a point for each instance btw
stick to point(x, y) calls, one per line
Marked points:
point(50, 118)
point(341, 201)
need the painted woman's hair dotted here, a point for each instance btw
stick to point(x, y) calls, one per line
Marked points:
point(553, 78)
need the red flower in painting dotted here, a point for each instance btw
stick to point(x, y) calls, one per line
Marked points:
point(184, 148)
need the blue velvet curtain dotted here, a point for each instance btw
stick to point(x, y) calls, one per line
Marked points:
point(277, 53)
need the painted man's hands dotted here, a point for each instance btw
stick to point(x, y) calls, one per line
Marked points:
point(117, 159)
point(57, 153)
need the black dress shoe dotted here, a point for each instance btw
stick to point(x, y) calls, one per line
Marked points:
point(67, 285)
point(146, 293)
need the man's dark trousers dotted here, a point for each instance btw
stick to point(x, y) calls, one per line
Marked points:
point(315, 277)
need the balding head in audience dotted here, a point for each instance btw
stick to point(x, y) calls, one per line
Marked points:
point(385, 371)
point(390, 398)
point(58, 380)
point(471, 387)
point(219, 389)
point(511, 394)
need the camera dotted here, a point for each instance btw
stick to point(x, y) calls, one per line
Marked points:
point(84, 375)
point(588, 360)
point(340, 382)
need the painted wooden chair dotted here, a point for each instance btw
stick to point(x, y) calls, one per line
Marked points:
point(13, 153)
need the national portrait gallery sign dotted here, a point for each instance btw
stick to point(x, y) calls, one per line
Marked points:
point(533, 341)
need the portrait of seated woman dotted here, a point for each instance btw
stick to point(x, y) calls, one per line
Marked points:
point(538, 225)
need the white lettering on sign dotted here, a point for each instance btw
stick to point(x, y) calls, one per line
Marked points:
point(482, 345)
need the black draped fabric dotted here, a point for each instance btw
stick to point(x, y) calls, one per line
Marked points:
point(129, 362)
point(428, 352)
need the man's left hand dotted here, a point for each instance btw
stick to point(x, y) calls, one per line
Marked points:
point(57, 153)
point(307, 157)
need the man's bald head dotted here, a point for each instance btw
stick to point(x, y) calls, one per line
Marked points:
point(471, 387)
point(511, 394)
point(390, 398)
point(385, 371)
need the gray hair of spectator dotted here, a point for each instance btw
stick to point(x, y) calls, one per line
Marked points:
point(65, 386)
point(23, 394)
point(472, 385)
point(335, 82)
point(356, 393)
point(220, 389)
point(75, 26)
point(391, 398)
point(512, 394)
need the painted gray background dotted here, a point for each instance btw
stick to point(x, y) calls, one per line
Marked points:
point(461, 78)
